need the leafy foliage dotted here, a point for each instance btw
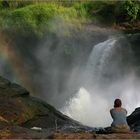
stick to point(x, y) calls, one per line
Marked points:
point(127, 10)
point(35, 18)
point(131, 9)
point(16, 3)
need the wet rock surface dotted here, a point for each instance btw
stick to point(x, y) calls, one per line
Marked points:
point(18, 107)
point(134, 120)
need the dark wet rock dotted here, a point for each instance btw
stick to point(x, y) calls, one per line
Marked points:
point(18, 90)
point(8, 89)
point(44, 115)
point(19, 108)
point(134, 120)
point(4, 83)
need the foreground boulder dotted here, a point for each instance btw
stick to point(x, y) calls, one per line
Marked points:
point(17, 107)
point(134, 120)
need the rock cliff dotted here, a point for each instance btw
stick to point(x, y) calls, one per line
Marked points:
point(17, 107)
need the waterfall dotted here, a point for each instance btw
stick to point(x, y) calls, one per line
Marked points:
point(106, 76)
point(97, 61)
point(79, 80)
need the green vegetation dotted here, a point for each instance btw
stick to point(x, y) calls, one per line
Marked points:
point(35, 17)
point(127, 10)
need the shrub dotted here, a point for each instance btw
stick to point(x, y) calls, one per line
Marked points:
point(131, 9)
point(16, 3)
point(127, 10)
point(36, 18)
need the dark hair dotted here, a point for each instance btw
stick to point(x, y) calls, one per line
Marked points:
point(117, 103)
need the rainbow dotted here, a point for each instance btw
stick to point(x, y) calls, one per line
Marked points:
point(14, 63)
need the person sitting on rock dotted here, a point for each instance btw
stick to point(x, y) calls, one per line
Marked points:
point(118, 115)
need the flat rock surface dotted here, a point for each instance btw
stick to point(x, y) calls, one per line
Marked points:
point(93, 135)
point(16, 132)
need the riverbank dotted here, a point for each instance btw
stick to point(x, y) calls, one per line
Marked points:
point(128, 27)
point(16, 132)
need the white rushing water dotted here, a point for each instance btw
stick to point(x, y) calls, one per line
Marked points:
point(105, 77)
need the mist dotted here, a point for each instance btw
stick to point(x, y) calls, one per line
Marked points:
point(93, 108)
point(79, 70)
point(109, 74)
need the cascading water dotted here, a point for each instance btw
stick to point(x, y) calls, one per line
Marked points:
point(107, 76)
point(96, 64)
point(59, 72)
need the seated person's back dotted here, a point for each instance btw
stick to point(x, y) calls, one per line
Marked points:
point(119, 117)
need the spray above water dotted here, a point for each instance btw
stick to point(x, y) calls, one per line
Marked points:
point(107, 76)
point(79, 80)
point(97, 62)
point(90, 109)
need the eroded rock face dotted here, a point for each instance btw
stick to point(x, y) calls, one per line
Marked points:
point(18, 107)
